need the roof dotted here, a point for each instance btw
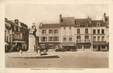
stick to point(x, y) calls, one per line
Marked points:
point(78, 22)
point(12, 23)
point(9, 21)
point(97, 23)
point(51, 25)
point(68, 21)
point(71, 21)
point(84, 22)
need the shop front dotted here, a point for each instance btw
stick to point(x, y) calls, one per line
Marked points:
point(50, 45)
point(100, 46)
point(69, 46)
point(83, 46)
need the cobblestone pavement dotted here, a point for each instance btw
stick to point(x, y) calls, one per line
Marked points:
point(79, 59)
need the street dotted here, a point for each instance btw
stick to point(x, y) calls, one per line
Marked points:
point(79, 59)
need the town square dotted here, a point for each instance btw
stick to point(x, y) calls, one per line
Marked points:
point(71, 40)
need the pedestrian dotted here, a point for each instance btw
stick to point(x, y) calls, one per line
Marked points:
point(46, 47)
point(21, 51)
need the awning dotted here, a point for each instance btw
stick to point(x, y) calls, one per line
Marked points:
point(100, 43)
point(49, 42)
point(68, 44)
point(83, 43)
point(18, 41)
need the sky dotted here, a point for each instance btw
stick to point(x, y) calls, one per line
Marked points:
point(49, 13)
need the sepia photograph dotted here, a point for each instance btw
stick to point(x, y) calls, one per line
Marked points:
point(63, 36)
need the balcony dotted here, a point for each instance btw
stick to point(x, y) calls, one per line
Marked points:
point(83, 41)
point(98, 42)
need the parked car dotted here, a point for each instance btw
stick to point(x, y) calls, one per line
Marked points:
point(60, 49)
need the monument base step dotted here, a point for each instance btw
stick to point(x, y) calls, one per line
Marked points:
point(38, 56)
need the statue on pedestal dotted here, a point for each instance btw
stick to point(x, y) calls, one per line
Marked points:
point(32, 38)
point(34, 45)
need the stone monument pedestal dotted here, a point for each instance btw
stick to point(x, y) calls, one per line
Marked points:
point(31, 43)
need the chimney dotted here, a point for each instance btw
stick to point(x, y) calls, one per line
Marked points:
point(89, 19)
point(104, 14)
point(105, 17)
point(61, 19)
point(6, 19)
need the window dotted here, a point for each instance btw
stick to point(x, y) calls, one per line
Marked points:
point(43, 39)
point(102, 38)
point(16, 28)
point(86, 31)
point(98, 38)
point(64, 39)
point(94, 31)
point(78, 31)
point(56, 31)
point(43, 31)
point(50, 31)
point(102, 31)
point(78, 37)
point(98, 24)
point(94, 38)
point(6, 38)
point(86, 37)
point(56, 38)
point(70, 39)
point(98, 31)
point(18, 36)
point(50, 38)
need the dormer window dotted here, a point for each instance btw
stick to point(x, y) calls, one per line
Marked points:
point(98, 24)
point(16, 21)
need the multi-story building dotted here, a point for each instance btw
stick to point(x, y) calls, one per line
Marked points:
point(100, 34)
point(8, 34)
point(83, 33)
point(49, 34)
point(16, 35)
point(76, 34)
point(67, 32)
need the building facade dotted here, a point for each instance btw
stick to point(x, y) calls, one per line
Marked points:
point(76, 34)
point(49, 34)
point(16, 35)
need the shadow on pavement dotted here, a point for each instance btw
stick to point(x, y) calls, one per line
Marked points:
point(39, 57)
